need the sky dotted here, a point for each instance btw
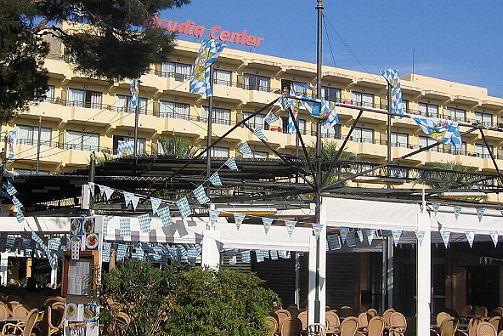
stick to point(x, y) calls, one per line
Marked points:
point(456, 40)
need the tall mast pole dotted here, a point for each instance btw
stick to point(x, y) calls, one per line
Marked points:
point(318, 177)
point(136, 120)
point(210, 125)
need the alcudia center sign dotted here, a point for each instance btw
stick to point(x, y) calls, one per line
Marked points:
point(216, 32)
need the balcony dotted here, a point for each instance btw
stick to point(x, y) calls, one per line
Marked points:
point(49, 109)
point(50, 152)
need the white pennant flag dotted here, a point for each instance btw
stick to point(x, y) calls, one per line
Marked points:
point(128, 197)
point(238, 219)
point(134, 201)
point(317, 230)
point(360, 235)
point(470, 236)
point(91, 188)
point(435, 206)
point(457, 211)
point(420, 235)
point(156, 203)
point(445, 237)
point(290, 225)
point(396, 236)
point(494, 237)
point(480, 213)
point(107, 191)
point(267, 223)
point(344, 233)
point(371, 233)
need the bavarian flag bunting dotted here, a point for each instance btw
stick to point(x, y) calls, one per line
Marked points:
point(208, 54)
point(444, 131)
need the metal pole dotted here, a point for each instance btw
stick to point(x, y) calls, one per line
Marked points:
point(388, 157)
point(210, 125)
point(92, 170)
point(319, 60)
point(136, 121)
point(38, 144)
point(297, 279)
point(2, 170)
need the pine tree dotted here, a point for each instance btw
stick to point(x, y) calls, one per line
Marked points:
point(118, 42)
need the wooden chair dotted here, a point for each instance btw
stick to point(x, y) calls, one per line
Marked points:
point(55, 318)
point(398, 324)
point(465, 312)
point(372, 312)
point(500, 333)
point(441, 317)
point(496, 322)
point(291, 326)
point(480, 312)
point(22, 328)
point(486, 329)
point(345, 311)
point(294, 311)
point(282, 315)
point(303, 319)
point(20, 312)
point(349, 326)
point(333, 322)
point(363, 322)
point(375, 326)
point(472, 327)
point(387, 315)
point(4, 311)
point(272, 323)
point(448, 327)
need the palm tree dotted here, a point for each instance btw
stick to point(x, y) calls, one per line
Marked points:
point(446, 176)
point(178, 146)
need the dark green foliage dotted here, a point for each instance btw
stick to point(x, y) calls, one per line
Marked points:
point(178, 146)
point(121, 43)
point(446, 176)
point(184, 301)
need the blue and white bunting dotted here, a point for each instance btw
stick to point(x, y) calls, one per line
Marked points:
point(16, 202)
point(494, 236)
point(125, 227)
point(155, 204)
point(420, 235)
point(215, 180)
point(192, 254)
point(124, 148)
point(457, 211)
point(371, 233)
point(231, 254)
point(106, 220)
point(397, 105)
point(144, 221)
point(11, 142)
point(435, 206)
point(238, 219)
point(344, 233)
point(122, 250)
point(396, 236)
point(138, 253)
point(91, 186)
point(165, 216)
point(107, 249)
point(290, 226)
point(200, 195)
point(360, 235)
point(317, 227)
point(208, 54)
point(267, 223)
point(54, 244)
point(19, 216)
point(231, 164)
point(214, 217)
point(11, 190)
point(271, 118)
point(351, 239)
point(106, 191)
point(470, 236)
point(261, 255)
point(445, 237)
point(245, 256)
point(245, 149)
point(128, 197)
point(334, 242)
point(184, 207)
point(273, 254)
point(134, 90)
point(259, 133)
point(443, 131)
point(331, 114)
point(11, 241)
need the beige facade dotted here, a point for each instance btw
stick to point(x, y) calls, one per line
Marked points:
point(83, 114)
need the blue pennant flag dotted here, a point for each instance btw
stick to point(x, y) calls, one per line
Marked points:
point(144, 221)
point(200, 195)
point(192, 254)
point(270, 118)
point(444, 131)
point(155, 203)
point(317, 230)
point(208, 54)
point(238, 219)
point(138, 253)
point(19, 215)
point(245, 256)
point(134, 89)
point(259, 133)
point(214, 216)
point(10, 189)
point(184, 207)
point(165, 216)
point(397, 105)
point(231, 163)
point(54, 244)
point(290, 128)
point(122, 250)
point(245, 149)
point(107, 248)
point(290, 225)
point(215, 180)
point(125, 227)
point(124, 148)
point(16, 202)
point(267, 223)
point(330, 113)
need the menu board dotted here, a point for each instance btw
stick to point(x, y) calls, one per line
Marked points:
point(80, 276)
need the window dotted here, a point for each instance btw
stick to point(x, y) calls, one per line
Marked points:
point(124, 104)
point(179, 71)
point(332, 94)
point(260, 155)
point(425, 141)
point(260, 83)
point(257, 120)
point(428, 110)
point(219, 115)
point(399, 139)
point(486, 119)
point(461, 150)
point(398, 172)
point(361, 134)
point(82, 140)
point(18, 171)
point(455, 114)
point(302, 125)
point(331, 132)
point(28, 135)
point(482, 151)
point(140, 148)
point(406, 104)
point(362, 99)
point(84, 98)
point(222, 77)
point(49, 94)
point(174, 110)
point(217, 152)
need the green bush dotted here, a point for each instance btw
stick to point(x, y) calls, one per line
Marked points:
point(180, 301)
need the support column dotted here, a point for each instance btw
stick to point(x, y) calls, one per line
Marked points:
point(297, 279)
point(29, 265)
point(4, 266)
point(321, 281)
point(389, 272)
point(423, 276)
point(54, 277)
point(210, 250)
